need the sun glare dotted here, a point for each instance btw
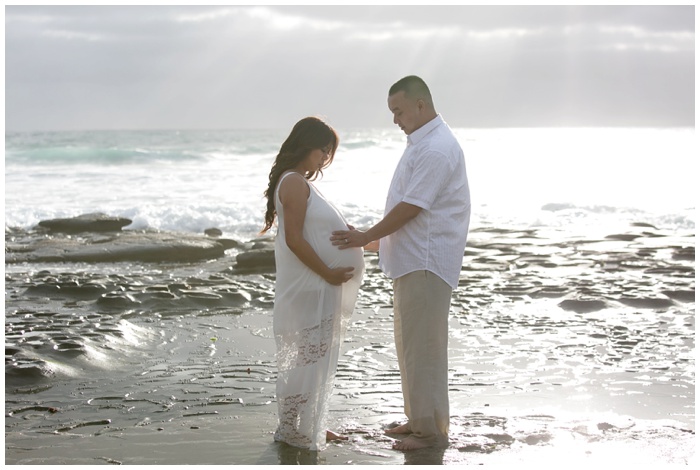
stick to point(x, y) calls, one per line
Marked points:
point(506, 33)
point(284, 22)
point(207, 16)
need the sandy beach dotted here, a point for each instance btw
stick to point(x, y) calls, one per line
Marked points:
point(562, 349)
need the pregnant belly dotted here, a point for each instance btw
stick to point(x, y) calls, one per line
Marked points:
point(337, 258)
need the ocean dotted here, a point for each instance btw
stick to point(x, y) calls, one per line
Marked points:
point(569, 178)
point(572, 330)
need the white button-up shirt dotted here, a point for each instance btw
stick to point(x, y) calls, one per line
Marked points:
point(431, 175)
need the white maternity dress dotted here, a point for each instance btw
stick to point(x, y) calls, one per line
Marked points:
point(310, 318)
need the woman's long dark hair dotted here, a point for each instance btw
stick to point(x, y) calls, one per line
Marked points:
point(309, 134)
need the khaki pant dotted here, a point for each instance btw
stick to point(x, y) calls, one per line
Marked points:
point(421, 308)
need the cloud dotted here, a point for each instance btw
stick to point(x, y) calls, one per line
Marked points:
point(235, 66)
point(73, 35)
point(200, 17)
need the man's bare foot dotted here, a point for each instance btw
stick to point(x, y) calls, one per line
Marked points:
point(331, 436)
point(410, 443)
point(403, 429)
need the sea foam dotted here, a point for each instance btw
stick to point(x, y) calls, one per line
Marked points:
point(192, 180)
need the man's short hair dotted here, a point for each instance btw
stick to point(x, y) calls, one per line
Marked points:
point(414, 87)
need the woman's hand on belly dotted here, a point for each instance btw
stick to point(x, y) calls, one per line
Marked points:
point(337, 276)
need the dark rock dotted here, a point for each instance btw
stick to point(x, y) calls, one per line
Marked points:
point(686, 253)
point(146, 250)
point(36, 370)
point(96, 222)
point(625, 237)
point(124, 246)
point(583, 306)
point(256, 258)
point(643, 224)
point(227, 243)
point(263, 244)
point(680, 295)
point(213, 232)
point(646, 302)
point(118, 301)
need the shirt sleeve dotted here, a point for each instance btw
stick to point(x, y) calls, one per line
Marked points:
point(429, 175)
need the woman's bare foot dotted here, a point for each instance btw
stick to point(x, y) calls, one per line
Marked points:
point(331, 436)
point(403, 429)
point(410, 443)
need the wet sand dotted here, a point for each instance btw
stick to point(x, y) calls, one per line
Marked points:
point(562, 349)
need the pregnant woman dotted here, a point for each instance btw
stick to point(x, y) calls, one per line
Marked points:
point(316, 285)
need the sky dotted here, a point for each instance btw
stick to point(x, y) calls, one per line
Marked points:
point(250, 67)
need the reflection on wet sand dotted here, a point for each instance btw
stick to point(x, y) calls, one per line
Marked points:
point(560, 348)
point(425, 457)
point(289, 455)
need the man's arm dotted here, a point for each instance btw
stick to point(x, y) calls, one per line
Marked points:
point(399, 216)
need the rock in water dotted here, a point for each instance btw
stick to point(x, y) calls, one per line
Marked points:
point(119, 247)
point(213, 232)
point(96, 222)
point(260, 258)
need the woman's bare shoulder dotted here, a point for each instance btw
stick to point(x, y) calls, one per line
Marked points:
point(292, 184)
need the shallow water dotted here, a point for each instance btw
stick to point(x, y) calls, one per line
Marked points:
point(561, 348)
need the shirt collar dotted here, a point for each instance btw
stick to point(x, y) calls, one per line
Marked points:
point(417, 135)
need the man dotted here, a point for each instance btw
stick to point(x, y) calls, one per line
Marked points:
point(421, 246)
